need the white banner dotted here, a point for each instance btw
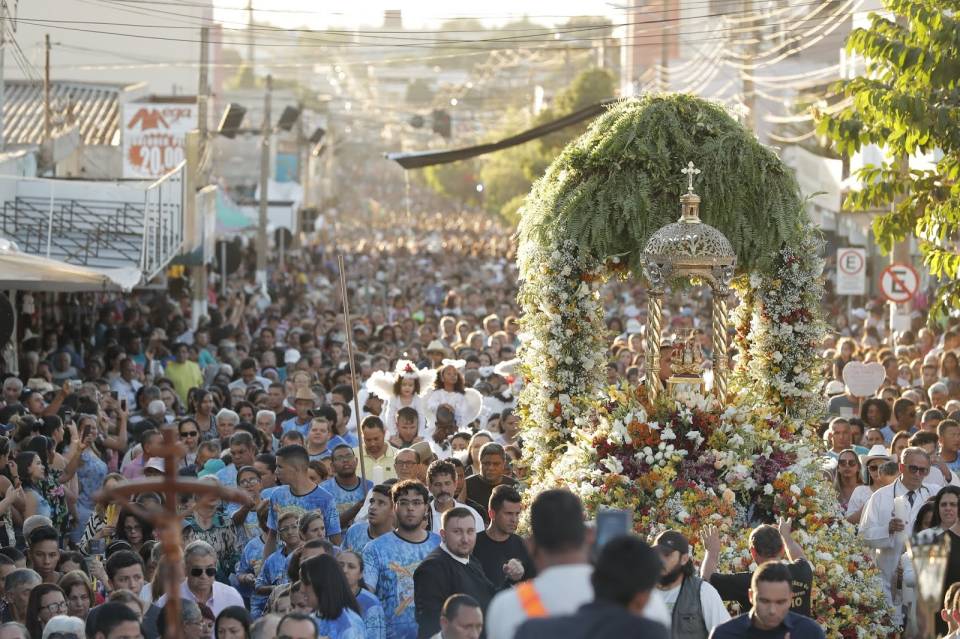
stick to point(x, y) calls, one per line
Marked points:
point(154, 137)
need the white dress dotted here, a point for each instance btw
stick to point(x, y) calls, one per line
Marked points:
point(457, 401)
point(390, 415)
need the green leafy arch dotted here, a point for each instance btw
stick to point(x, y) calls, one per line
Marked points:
point(611, 189)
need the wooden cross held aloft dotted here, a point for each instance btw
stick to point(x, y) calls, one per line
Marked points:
point(690, 172)
point(168, 521)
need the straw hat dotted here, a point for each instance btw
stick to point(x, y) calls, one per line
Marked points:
point(304, 394)
point(436, 346)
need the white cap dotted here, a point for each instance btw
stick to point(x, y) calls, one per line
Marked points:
point(64, 625)
point(835, 387)
point(633, 327)
point(292, 356)
point(155, 463)
point(156, 407)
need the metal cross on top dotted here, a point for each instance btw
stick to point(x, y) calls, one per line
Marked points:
point(690, 172)
point(168, 521)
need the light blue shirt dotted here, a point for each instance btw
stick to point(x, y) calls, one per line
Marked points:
point(389, 562)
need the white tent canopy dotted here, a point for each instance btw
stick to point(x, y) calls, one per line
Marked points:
point(24, 272)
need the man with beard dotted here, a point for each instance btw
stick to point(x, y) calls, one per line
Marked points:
point(695, 606)
point(442, 483)
point(499, 549)
point(450, 570)
point(390, 561)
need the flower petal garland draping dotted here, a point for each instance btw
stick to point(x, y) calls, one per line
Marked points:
point(686, 462)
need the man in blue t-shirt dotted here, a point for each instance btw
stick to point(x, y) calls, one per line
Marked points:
point(380, 520)
point(346, 487)
point(303, 403)
point(299, 494)
point(390, 561)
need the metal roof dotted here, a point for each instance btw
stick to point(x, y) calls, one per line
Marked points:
point(95, 107)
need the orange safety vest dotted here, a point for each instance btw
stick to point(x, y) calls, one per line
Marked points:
point(530, 600)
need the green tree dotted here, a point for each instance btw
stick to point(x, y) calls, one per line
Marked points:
point(908, 103)
point(508, 175)
point(456, 180)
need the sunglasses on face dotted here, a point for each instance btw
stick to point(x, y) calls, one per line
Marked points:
point(189, 433)
point(918, 470)
point(873, 468)
point(848, 462)
point(198, 572)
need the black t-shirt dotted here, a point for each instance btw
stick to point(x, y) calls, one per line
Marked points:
point(493, 554)
point(479, 489)
point(734, 587)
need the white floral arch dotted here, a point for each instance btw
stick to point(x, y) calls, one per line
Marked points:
point(684, 463)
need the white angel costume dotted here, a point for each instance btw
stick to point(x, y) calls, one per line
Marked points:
point(382, 383)
point(466, 405)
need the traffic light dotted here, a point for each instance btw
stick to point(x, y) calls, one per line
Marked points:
point(441, 122)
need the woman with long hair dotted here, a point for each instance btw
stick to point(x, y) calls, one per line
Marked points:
point(78, 590)
point(899, 442)
point(202, 409)
point(949, 369)
point(448, 388)
point(188, 432)
point(402, 388)
point(351, 563)
point(848, 476)
point(31, 472)
point(233, 622)
point(46, 602)
point(875, 413)
point(50, 484)
point(85, 461)
point(946, 517)
point(472, 460)
point(134, 530)
point(331, 599)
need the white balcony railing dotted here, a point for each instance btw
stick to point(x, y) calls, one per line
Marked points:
point(99, 224)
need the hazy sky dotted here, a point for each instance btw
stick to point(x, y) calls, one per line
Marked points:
point(416, 13)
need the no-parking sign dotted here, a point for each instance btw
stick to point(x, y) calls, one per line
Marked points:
point(851, 271)
point(899, 283)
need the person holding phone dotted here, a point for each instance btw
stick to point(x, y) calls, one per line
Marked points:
point(85, 463)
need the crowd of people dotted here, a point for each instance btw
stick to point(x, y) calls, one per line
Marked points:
point(893, 455)
point(384, 498)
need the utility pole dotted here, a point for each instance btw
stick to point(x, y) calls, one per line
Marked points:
point(264, 184)
point(749, 93)
point(3, 92)
point(250, 35)
point(664, 50)
point(197, 161)
point(47, 115)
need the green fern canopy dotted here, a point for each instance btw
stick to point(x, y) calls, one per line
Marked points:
point(612, 188)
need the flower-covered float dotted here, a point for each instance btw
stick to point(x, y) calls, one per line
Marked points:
point(675, 454)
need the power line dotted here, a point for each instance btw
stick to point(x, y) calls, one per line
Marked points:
point(710, 35)
point(408, 36)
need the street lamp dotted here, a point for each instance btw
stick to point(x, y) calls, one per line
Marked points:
point(930, 553)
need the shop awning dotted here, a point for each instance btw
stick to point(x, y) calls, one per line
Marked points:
point(25, 272)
